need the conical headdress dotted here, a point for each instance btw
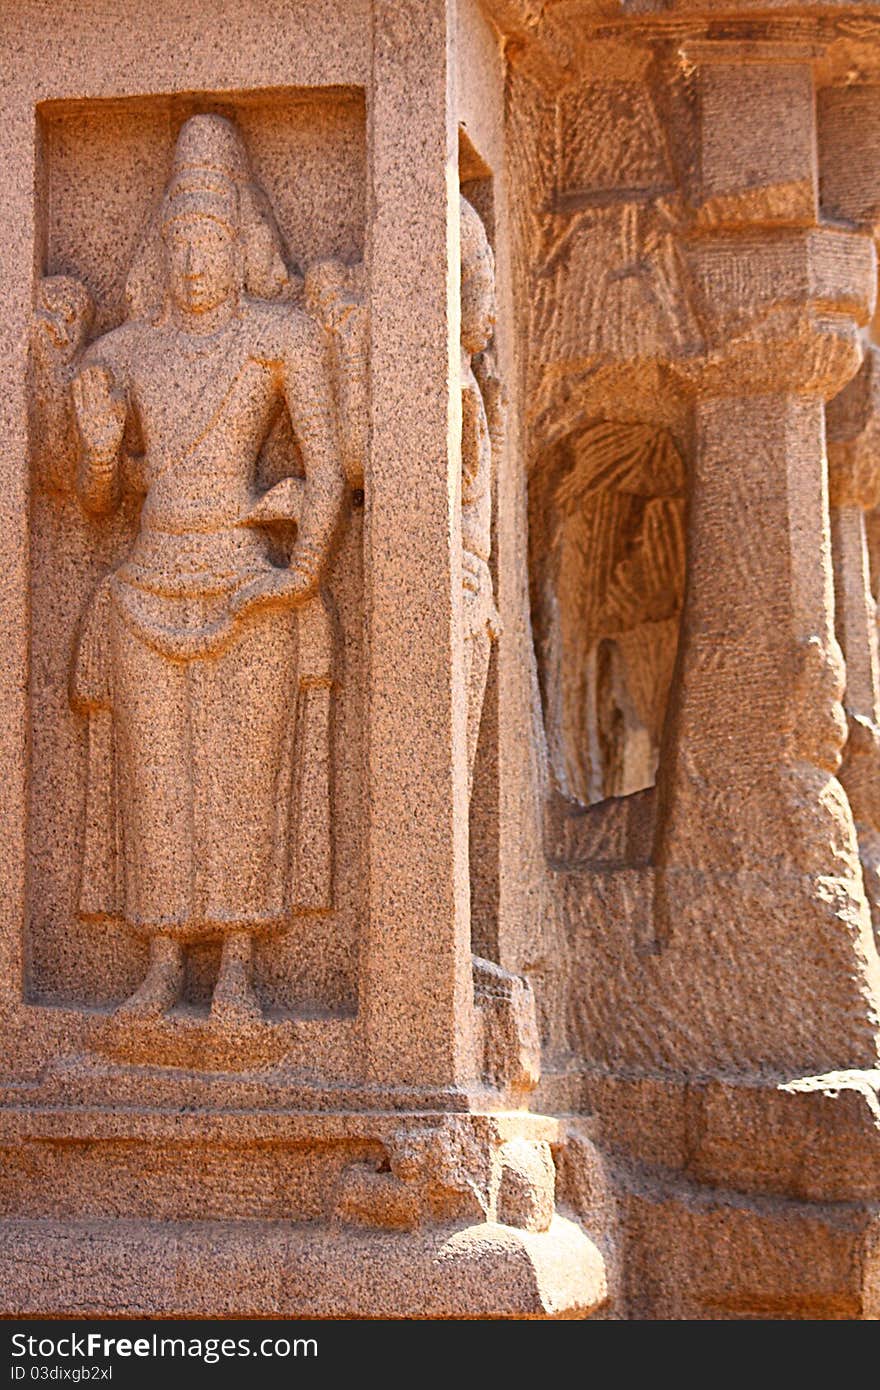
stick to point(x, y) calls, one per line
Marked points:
point(211, 177)
point(209, 165)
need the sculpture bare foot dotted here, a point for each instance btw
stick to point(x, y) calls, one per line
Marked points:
point(234, 1001)
point(161, 988)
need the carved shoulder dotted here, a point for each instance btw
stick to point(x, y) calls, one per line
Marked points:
point(116, 349)
point(285, 335)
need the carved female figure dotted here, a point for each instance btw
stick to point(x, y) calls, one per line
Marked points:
point(188, 654)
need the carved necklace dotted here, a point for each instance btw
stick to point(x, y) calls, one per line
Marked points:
point(203, 345)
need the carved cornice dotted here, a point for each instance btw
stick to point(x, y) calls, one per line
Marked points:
point(555, 42)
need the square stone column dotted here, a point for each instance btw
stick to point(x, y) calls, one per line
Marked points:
point(417, 991)
point(757, 133)
point(757, 859)
point(339, 1157)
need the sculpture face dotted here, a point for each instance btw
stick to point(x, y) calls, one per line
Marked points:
point(202, 263)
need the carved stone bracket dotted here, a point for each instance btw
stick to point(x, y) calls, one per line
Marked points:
point(457, 1171)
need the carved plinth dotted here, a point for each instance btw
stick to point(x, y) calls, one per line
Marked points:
point(394, 1214)
point(188, 1040)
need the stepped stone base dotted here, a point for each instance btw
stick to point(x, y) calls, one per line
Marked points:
point(278, 1269)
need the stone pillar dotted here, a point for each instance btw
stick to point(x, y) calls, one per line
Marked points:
point(756, 853)
point(849, 172)
point(416, 980)
point(854, 482)
point(398, 1182)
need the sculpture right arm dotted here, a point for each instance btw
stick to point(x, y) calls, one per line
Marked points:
point(62, 320)
point(101, 414)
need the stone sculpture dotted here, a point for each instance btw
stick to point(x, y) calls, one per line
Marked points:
point(607, 542)
point(481, 436)
point(186, 655)
point(440, 751)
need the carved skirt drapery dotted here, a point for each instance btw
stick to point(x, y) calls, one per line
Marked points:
point(190, 808)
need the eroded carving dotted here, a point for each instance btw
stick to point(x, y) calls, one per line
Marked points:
point(505, 1016)
point(511, 1047)
point(854, 490)
point(205, 660)
point(482, 428)
point(608, 220)
point(607, 537)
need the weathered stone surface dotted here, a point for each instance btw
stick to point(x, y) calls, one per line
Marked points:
point(440, 531)
point(526, 1186)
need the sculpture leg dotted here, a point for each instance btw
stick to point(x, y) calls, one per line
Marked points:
point(242, 721)
point(156, 788)
point(234, 999)
point(161, 988)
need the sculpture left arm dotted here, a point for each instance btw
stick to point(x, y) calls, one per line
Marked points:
point(101, 412)
point(62, 320)
point(306, 390)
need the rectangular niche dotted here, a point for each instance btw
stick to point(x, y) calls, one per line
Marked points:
point(103, 168)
